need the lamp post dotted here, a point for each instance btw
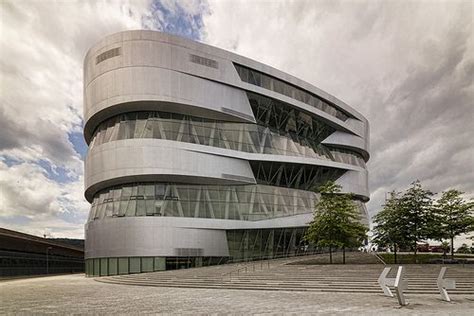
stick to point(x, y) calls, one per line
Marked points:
point(47, 259)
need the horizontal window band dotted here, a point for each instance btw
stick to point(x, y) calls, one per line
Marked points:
point(238, 202)
point(285, 132)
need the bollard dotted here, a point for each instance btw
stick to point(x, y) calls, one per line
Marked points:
point(400, 285)
point(385, 282)
point(445, 284)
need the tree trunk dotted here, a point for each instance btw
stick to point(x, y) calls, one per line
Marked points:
point(452, 248)
point(395, 252)
point(343, 255)
point(330, 254)
point(415, 252)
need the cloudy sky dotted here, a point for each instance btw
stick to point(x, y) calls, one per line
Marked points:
point(408, 66)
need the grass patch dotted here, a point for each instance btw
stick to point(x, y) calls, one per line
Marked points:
point(351, 258)
point(421, 258)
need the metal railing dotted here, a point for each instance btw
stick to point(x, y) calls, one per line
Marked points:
point(252, 263)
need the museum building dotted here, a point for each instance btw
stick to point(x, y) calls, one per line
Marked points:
point(198, 156)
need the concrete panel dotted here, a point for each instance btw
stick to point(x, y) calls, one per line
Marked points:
point(346, 140)
point(355, 182)
point(134, 160)
point(128, 89)
point(173, 52)
point(149, 236)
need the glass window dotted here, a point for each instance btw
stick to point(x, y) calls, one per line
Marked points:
point(159, 264)
point(260, 79)
point(147, 264)
point(135, 266)
point(96, 267)
point(131, 208)
point(141, 208)
point(113, 266)
point(123, 265)
point(139, 128)
point(267, 82)
point(274, 118)
point(104, 267)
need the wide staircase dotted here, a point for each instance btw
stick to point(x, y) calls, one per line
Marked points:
point(288, 275)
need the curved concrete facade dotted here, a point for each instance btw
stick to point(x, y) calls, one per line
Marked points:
point(219, 146)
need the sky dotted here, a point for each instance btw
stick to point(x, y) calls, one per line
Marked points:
point(408, 66)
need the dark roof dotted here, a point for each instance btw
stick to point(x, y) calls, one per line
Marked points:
point(11, 234)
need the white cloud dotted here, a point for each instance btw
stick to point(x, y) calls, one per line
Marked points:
point(407, 66)
point(42, 47)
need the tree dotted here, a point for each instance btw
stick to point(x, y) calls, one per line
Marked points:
point(336, 221)
point(353, 235)
point(463, 249)
point(454, 216)
point(388, 223)
point(417, 215)
point(445, 247)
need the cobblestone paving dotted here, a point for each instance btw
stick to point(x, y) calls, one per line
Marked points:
point(75, 294)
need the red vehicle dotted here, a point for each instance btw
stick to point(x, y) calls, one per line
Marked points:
point(437, 248)
point(423, 247)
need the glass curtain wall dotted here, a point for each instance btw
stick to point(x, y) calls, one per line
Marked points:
point(265, 81)
point(129, 265)
point(296, 176)
point(240, 202)
point(281, 131)
point(244, 245)
point(254, 244)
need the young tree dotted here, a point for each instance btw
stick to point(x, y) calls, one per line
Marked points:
point(388, 224)
point(353, 234)
point(418, 216)
point(445, 247)
point(336, 221)
point(463, 249)
point(454, 216)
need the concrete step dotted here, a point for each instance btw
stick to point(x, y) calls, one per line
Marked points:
point(280, 288)
point(278, 276)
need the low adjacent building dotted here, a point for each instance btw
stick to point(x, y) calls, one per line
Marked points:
point(22, 254)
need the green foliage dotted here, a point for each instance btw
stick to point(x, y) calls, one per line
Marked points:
point(388, 222)
point(406, 218)
point(412, 217)
point(336, 221)
point(463, 249)
point(445, 247)
point(453, 215)
point(417, 213)
point(422, 258)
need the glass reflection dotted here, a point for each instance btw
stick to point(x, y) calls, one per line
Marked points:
point(301, 135)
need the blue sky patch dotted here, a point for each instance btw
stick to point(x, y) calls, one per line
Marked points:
point(78, 142)
point(57, 174)
point(174, 19)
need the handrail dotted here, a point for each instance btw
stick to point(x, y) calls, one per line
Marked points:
point(254, 261)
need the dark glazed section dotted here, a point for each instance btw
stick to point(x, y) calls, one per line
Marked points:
point(280, 132)
point(239, 202)
point(265, 81)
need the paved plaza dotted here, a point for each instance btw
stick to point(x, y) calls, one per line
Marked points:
point(75, 294)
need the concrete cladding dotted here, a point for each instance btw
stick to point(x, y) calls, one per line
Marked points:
point(198, 156)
